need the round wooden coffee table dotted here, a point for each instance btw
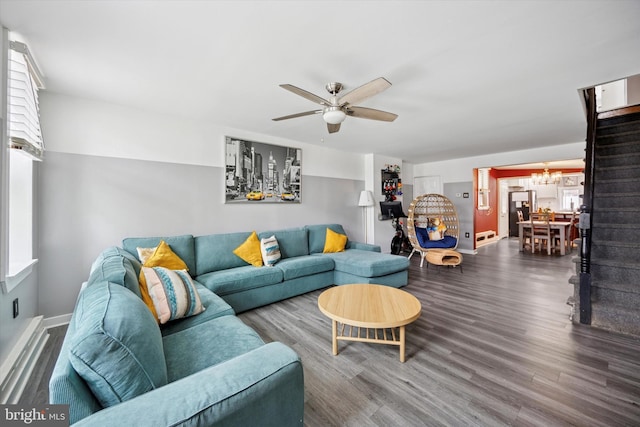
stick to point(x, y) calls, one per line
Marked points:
point(369, 313)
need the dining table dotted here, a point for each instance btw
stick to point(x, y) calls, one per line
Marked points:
point(563, 228)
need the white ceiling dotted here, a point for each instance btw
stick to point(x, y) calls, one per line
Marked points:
point(469, 77)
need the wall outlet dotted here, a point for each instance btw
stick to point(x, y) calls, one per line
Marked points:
point(466, 234)
point(16, 308)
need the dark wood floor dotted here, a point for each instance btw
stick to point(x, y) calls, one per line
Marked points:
point(36, 392)
point(494, 346)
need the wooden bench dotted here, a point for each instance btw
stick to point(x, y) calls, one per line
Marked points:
point(485, 237)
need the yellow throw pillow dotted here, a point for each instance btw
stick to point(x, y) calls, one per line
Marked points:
point(334, 242)
point(163, 256)
point(250, 251)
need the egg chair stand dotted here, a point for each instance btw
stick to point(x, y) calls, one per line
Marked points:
point(428, 207)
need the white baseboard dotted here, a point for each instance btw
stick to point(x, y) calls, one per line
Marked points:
point(467, 251)
point(17, 368)
point(52, 322)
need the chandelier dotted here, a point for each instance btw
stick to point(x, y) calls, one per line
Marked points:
point(546, 177)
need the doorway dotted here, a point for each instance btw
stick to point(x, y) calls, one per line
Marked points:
point(563, 193)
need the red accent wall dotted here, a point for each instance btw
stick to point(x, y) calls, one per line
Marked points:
point(518, 173)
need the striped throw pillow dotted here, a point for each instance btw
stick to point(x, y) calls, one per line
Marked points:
point(173, 293)
point(270, 251)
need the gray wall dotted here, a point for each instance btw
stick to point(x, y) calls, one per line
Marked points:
point(465, 210)
point(90, 202)
point(10, 328)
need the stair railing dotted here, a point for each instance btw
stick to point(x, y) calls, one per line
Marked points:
point(586, 208)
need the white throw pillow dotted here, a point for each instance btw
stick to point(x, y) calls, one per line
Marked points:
point(270, 251)
point(145, 253)
point(173, 293)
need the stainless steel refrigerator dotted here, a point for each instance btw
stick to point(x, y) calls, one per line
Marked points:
point(524, 201)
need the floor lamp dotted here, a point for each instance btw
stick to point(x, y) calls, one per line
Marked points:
point(366, 200)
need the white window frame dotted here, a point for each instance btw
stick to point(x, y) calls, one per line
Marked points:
point(22, 145)
point(483, 189)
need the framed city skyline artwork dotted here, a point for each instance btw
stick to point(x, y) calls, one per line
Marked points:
point(257, 172)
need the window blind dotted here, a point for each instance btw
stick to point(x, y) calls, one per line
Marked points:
point(24, 111)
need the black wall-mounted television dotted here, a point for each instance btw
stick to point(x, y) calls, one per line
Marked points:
point(390, 210)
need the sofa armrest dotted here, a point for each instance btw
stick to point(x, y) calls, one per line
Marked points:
point(263, 387)
point(363, 246)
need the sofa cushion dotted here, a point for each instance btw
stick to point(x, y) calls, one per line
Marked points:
point(116, 268)
point(270, 251)
point(173, 293)
point(293, 268)
point(423, 239)
point(367, 263)
point(194, 349)
point(115, 251)
point(215, 251)
point(397, 279)
point(292, 241)
point(214, 307)
point(239, 279)
point(318, 234)
point(334, 242)
point(183, 246)
point(249, 250)
point(117, 345)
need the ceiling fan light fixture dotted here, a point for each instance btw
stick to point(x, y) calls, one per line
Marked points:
point(334, 115)
point(336, 108)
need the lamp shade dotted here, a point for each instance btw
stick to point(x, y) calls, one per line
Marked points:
point(366, 198)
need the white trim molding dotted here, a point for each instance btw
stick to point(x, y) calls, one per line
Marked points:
point(17, 368)
point(16, 274)
point(52, 322)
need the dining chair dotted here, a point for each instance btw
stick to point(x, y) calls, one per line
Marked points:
point(570, 233)
point(541, 232)
point(526, 231)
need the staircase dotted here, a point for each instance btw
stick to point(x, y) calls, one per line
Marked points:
point(615, 225)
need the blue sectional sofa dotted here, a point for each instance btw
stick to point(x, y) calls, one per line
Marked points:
point(303, 267)
point(117, 363)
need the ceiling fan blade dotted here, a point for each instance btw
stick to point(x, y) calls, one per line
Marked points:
point(308, 95)
point(370, 113)
point(365, 91)
point(333, 128)
point(293, 116)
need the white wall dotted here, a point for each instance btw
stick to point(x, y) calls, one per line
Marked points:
point(461, 170)
point(80, 126)
point(381, 232)
point(112, 172)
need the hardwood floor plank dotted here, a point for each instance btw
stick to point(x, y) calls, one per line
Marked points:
point(36, 392)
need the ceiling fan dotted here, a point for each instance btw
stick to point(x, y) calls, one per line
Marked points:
point(336, 109)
